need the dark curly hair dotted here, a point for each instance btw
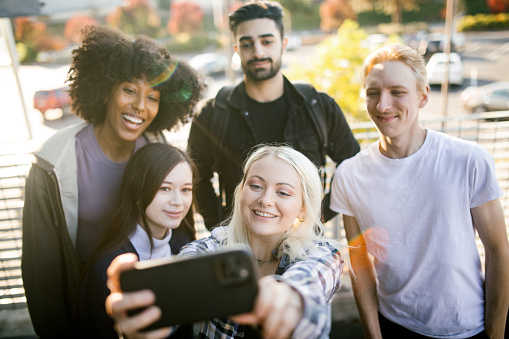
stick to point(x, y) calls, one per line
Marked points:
point(108, 57)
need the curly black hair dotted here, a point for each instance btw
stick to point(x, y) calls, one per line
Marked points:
point(108, 57)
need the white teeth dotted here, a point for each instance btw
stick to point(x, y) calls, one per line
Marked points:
point(262, 214)
point(132, 119)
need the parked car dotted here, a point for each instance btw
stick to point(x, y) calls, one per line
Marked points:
point(436, 68)
point(214, 63)
point(209, 63)
point(491, 97)
point(294, 42)
point(52, 99)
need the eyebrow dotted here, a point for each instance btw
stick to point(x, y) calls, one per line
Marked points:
point(171, 182)
point(248, 37)
point(390, 87)
point(277, 184)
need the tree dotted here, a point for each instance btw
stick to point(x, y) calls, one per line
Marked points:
point(136, 17)
point(74, 26)
point(295, 5)
point(498, 6)
point(392, 7)
point(185, 17)
point(334, 12)
point(163, 4)
point(337, 69)
point(32, 37)
point(473, 7)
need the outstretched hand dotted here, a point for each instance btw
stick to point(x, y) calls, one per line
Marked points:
point(118, 304)
point(278, 309)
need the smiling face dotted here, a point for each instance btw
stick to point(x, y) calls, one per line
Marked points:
point(259, 45)
point(393, 100)
point(271, 197)
point(171, 202)
point(131, 108)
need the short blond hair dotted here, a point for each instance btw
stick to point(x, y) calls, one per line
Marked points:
point(397, 52)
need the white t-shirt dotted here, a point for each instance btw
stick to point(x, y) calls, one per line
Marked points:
point(415, 216)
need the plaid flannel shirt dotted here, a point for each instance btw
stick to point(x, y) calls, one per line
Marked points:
point(317, 279)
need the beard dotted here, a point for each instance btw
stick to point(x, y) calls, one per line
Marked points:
point(262, 74)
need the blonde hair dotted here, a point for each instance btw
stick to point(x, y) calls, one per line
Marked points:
point(398, 52)
point(303, 235)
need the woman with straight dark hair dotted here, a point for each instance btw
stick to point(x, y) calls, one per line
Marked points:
point(155, 195)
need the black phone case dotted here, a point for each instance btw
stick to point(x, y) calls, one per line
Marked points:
point(198, 288)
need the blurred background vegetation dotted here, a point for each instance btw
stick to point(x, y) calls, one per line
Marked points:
point(344, 32)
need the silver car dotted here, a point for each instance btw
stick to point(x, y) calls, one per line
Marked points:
point(491, 97)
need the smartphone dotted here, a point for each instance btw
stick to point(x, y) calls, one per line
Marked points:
point(193, 289)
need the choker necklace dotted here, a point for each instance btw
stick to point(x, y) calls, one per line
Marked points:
point(263, 262)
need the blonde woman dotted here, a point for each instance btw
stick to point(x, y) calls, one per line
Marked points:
point(277, 214)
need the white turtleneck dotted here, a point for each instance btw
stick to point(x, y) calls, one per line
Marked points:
point(141, 243)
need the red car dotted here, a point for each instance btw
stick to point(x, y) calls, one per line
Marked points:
point(53, 98)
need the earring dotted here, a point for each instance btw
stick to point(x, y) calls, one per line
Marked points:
point(301, 220)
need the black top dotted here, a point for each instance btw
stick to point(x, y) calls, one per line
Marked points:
point(268, 119)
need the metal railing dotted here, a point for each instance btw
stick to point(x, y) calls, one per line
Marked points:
point(490, 130)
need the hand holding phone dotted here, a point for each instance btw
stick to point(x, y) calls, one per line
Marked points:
point(198, 288)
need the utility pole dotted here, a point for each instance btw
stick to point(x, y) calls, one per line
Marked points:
point(12, 9)
point(220, 12)
point(447, 51)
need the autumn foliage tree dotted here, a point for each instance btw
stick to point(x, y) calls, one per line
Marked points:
point(32, 37)
point(136, 17)
point(334, 12)
point(74, 25)
point(185, 17)
point(498, 6)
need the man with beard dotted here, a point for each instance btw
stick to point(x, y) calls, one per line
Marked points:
point(264, 108)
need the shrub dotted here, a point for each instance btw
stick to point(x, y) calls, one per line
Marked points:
point(480, 22)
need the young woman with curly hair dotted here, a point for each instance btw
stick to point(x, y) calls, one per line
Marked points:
point(128, 90)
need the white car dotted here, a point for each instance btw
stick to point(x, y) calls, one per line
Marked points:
point(436, 69)
point(209, 63)
point(491, 97)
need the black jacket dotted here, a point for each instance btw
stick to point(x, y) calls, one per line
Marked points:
point(240, 138)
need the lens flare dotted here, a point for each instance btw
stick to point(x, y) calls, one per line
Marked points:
point(165, 75)
point(377, 241)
